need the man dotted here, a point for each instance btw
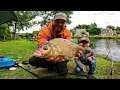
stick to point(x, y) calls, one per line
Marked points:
point(56, 29)
point(88, 59)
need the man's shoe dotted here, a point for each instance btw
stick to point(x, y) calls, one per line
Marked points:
point(25, 62)
point(90, 77)
point(50, 70)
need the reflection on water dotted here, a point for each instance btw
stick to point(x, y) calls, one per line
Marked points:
point(107, 47)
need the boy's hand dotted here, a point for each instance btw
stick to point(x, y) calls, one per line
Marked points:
point(84, 69)
point(89, 58)
point(79, 53)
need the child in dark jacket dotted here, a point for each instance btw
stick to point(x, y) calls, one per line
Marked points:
point(86, 59)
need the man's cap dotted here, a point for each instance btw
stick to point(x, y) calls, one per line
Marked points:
point(60, 16)
point(85, 39)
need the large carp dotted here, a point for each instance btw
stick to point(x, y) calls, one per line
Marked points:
point(60, 47)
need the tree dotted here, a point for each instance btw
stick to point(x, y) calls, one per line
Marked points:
point(83, 26)
point(94, 31)
point(83, 33)
point(93, 25)
point(73, 31)
point(25, 18)
point(111, 27)
point(4, 32)
point(35, 33)
point(117, 30)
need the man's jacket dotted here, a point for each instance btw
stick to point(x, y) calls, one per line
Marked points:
point(44, 35)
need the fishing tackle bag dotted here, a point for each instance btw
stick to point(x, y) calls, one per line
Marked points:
point(6, 62)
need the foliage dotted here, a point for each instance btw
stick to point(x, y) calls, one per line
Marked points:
point(18, 37)
point(4, 32)
point(73, 31)
point(92, 28)
point(117, 30)
point(29, 36)
point(35, 33)
point(83, 33)
point(83, 26)
point(99, 37)
point(93, 25)
point(94, 31)
point(25, 19)
point(110, 27)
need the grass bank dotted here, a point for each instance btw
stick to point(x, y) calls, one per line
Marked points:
point(22, 50)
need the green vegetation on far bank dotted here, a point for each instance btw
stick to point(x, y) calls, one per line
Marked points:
point(100, 37)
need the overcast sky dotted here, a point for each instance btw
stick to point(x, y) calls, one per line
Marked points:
point(101, 18)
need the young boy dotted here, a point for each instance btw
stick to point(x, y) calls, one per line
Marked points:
point(86, 59)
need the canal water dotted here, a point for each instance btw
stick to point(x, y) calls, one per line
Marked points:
point(107, 47)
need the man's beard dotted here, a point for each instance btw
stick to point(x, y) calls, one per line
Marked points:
point(57, 28)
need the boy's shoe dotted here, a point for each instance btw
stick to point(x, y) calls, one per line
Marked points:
point(90, 77)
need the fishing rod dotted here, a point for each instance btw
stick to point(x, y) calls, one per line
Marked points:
point(112, 64)
point(39, 77)
point(84, 75)
point(107, 55)
point(77, 74)
point(48, 77)
point(112, 71)
point(17, 64)
point(108, 46)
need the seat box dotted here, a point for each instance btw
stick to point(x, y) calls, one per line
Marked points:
point(6, 62)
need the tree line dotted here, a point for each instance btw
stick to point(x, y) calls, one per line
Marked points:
point(25, 20)
point(93, 29)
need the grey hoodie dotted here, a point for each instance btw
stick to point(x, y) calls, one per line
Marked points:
point(83, 58)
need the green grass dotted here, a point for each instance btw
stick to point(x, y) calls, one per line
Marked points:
point(21, 50)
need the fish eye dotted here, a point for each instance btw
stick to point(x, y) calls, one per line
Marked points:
point(45, 48)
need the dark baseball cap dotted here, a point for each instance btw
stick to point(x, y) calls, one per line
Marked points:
point(84, 39)
point(60, 16)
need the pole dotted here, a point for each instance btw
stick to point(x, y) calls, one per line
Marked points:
point(17, 64)
point(112, 71)
point(29, 71)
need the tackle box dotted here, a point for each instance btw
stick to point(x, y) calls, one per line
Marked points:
point(6, 62)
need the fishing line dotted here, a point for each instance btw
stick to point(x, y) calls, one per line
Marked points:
point(112, 63)
point(112, 69)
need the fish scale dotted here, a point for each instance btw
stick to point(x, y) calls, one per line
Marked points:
point(60, 47)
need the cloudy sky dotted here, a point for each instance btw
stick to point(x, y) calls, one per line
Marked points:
point(101, 18)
